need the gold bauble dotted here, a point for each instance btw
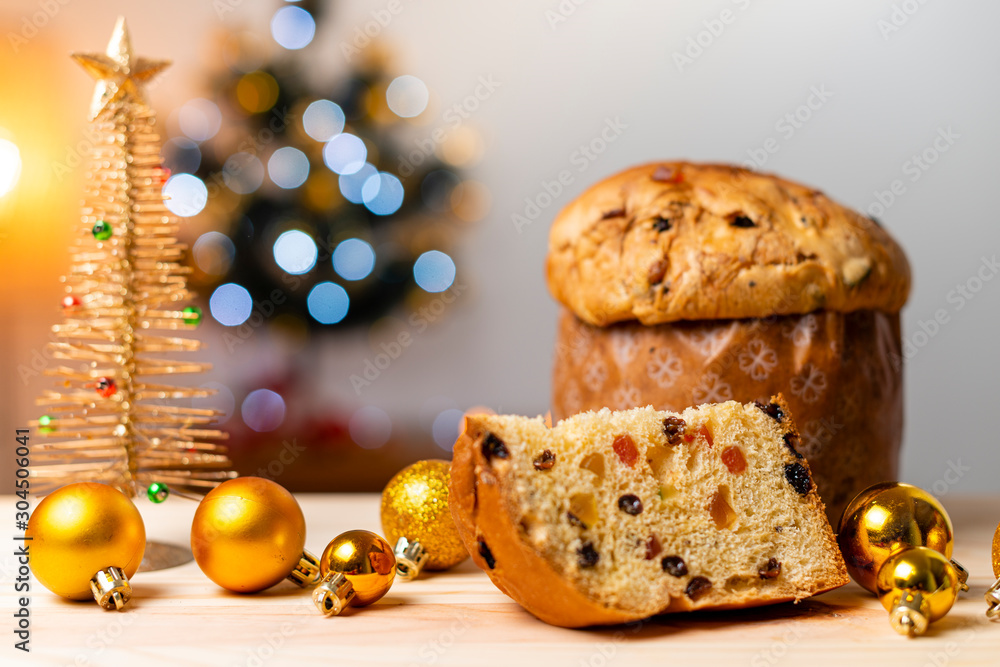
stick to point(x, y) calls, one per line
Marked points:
point(79, 530)
point(917, 586)
point(248, 534)
point(365, 559)
point(415, 506)
point(996, 552)
point(885, 518)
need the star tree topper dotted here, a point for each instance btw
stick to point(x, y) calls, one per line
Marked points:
point(118, 71)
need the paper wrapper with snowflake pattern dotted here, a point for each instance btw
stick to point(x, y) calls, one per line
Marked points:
point(841, 374)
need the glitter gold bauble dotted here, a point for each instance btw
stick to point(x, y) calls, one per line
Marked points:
point(365, 560)
point(886, 518)
point(993, 594)
point(87, 539)
point(415, 506)
point(917, 586)
point(248, 534)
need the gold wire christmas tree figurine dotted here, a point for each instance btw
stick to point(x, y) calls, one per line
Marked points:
point(112, 418)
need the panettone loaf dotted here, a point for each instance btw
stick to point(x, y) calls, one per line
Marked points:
point(616, 516)
point(689, 283)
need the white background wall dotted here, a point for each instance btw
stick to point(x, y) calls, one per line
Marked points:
point(892, 93)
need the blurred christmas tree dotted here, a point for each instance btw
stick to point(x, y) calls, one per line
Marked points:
point(333, 205)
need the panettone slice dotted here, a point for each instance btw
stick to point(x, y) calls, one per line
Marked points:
point(616, 516)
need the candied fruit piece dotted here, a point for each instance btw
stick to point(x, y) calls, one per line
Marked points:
point(584, 507)
point(732, 457)
point(653, 547)
point(697, 587)
point(706, 434)
point(594, 463)
point(771, 570)
point(587, 555)
point(798, 476)
point(673, 428)
point(493, 447)
point(630, 504)
point(545, 460)
point(720, 509)
point(674, 566)
point(624, 447)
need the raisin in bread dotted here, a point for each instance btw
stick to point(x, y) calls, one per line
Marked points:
point(616, 516)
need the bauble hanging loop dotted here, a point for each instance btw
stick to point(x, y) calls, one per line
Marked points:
point(886, 518)
point(357, 568)
point(917, 586)
point(87, 540)
point(416, 517)
point(248, 534)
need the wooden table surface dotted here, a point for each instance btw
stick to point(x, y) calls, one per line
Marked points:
point(458, 618)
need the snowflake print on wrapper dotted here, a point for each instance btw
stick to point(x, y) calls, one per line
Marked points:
point(625, 397)
point(711, 390)
point(572, 399)
point(758, 360)
point(664, 368)
point(810, 384)
point(594, 374)
point(710, 339)
point(801, 332)
point(624, 347)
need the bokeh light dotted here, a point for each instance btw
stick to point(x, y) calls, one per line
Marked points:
point(353, 259)
point(263, 410)
point(243, 173)
point(185, 195)
point(213, 253)
point(295, 252)
point(288, 167)
point(370, 427)
point(181, 155)
point(230, 304)
point(407, 96)
point(328, 303)
point(293, 27)
point(382, 194)
point(323, 120)
point(445, 428)
point(352, 184)
point(200, 119)
point(257, 91)
point(10, 166)
point(434, 271)
point(345, 154)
